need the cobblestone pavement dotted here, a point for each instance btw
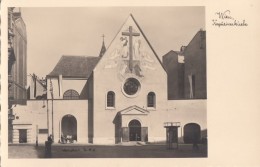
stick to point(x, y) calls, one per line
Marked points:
point(101, 151)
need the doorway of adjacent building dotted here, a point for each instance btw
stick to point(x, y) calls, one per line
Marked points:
point(69, 128)
point(22, 135)
point(192, 133)
point(134, 130)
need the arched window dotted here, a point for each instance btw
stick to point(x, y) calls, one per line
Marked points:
point(110, 99)
point(71, 94)
point(151, 99)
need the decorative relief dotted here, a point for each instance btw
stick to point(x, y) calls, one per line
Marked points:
point(130, 57)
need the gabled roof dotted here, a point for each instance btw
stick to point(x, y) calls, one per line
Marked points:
point(148, 42)
point(75, 66)
point(131, 17)
point(133, 110)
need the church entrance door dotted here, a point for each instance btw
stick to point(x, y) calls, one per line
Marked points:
point(134, 130)
point(68, 129)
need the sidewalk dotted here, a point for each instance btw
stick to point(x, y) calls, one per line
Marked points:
point(107, 151)
point(22, 151)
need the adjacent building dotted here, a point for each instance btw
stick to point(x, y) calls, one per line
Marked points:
point(17, 64)
point(186, 70)
point(17, 58)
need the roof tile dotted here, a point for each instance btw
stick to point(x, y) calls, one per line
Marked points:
point(75, 66)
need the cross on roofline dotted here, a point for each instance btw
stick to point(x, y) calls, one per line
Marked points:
point(103, 36)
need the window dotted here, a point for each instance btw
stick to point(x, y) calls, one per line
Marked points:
point(110, 99)
point(131, 86)
point(43, 131)
point(151, 99)
point(71, 94)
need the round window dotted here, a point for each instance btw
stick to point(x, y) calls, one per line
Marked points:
point(131, 86)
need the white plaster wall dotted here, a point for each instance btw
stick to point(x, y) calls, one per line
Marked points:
point(143, 119)
point(108, 78)
point(77, 108)
point(108, 81)
point(183, 111)
point(75, 84)
point(34, 114)
point(31, 115)
point(189, 111)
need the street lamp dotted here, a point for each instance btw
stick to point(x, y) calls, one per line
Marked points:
point(51, 90)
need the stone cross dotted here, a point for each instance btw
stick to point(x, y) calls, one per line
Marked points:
point(130, 34)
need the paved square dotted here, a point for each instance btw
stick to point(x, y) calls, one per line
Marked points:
point(103, 151)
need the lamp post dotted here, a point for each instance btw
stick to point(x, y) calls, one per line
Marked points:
point(48, 125)
point(51, 90)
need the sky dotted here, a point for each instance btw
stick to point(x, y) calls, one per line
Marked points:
point(53, 32)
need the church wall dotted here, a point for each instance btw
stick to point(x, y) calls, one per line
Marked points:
point(105, 81)
point(76, 84)
point(66, 84)
point(76, 108)
point(111, 73)
point(143, 119)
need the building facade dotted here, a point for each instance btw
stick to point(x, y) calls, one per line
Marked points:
point(120, 96)
point(186, 70)
point(17, 58)
point(17, 64)
point(195, 77)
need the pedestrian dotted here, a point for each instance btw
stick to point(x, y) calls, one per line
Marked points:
point(48, 147)
point(62, 139)
point(50, 138)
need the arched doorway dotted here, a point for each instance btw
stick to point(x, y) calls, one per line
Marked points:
point(192, 133)
point(69, 127)
point(134, 130)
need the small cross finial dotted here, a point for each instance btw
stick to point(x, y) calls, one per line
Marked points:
point(103, 48)
point(103, 36)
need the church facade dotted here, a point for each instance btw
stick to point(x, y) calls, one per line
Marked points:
point(120, 96)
